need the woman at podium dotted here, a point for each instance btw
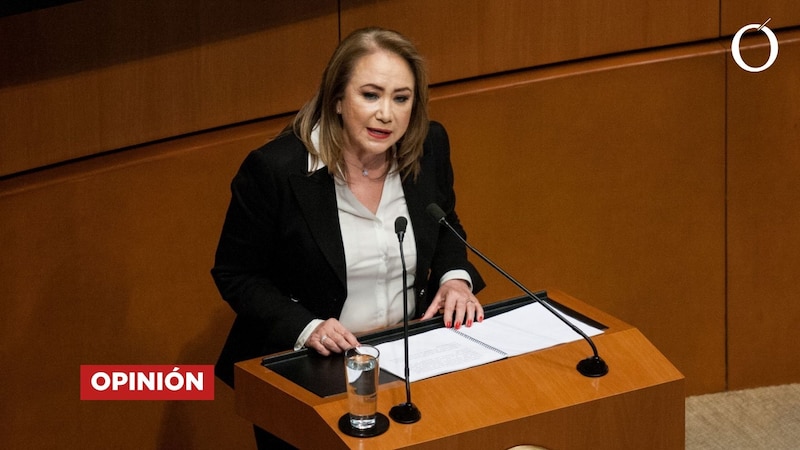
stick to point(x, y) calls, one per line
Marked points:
point(308, 253)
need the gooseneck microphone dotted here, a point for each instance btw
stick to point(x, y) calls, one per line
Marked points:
point(593, 366)
point(404, 412)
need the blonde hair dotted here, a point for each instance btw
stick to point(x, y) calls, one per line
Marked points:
point(321, 109)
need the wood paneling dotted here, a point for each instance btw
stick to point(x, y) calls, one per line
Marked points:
point(602, 177)
point(734, 14)
point(468, 38)
point(107, 262)
point(605, 179)
point(93, 76)
point(764, 217)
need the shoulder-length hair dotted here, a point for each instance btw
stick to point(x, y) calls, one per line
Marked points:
point(321, 109)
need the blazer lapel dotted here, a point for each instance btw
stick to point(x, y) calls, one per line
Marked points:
point(316, 197)
point(419, 195)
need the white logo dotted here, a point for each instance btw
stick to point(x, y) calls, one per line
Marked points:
point(773, 46)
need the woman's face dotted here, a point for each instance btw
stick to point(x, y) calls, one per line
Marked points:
point(377, 102)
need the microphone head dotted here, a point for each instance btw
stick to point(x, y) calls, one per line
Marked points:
point(434, 210)
point(400, 225)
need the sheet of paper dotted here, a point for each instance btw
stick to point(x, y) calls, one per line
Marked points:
point(434, 353)
point(525, 329)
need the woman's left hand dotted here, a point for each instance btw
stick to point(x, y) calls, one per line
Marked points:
point(460, 306)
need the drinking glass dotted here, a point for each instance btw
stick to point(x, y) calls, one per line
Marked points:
point(361, 375)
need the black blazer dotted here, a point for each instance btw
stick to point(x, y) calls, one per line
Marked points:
point(280, 260)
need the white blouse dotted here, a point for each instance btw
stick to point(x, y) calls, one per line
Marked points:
point(372, 253)
point(372, 256)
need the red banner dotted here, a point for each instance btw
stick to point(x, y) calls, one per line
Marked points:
point(147, 382)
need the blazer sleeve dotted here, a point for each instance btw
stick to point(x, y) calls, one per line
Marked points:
point(247, 262)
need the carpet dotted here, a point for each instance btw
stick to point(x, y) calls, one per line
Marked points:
point(760, 418)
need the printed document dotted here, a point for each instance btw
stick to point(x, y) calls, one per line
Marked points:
point(443, 350)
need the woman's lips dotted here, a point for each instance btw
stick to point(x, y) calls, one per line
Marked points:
point(379, 133)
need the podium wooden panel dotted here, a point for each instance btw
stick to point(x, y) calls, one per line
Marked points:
point(538, 398)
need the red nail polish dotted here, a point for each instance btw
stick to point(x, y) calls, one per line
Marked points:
point(447, 324)
point(480, 319)
point(469, 323)
point(458, 325)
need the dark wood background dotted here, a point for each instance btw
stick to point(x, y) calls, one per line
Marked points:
point(612, 150)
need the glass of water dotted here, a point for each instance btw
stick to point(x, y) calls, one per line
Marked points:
point(361, 375)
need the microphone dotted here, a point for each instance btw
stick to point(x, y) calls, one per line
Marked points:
point(404, 412)
point(593, 366)
point(400, 230)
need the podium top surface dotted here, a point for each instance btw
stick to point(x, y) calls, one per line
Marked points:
point(324, 376)
point(535, 398)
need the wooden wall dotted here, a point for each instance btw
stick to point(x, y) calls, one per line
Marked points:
point(609, 186)
point(612, 150)
point(106, 261)
point(764, 217)
point(95, 76)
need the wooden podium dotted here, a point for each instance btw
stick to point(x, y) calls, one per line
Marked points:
point(536, 399)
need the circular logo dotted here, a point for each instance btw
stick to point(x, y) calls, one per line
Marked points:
point(773, 47)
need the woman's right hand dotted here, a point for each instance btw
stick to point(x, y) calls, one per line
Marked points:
point(331, 337)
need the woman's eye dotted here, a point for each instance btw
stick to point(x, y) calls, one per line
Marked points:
point(370, 95)
point(401, 99)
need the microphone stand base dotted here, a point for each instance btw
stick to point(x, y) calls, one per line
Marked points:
point(405, 413)
point(593, 366)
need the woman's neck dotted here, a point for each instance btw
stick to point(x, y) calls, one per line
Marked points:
point(372, 167)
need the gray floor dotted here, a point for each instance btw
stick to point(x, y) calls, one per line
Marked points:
point(761, 418)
